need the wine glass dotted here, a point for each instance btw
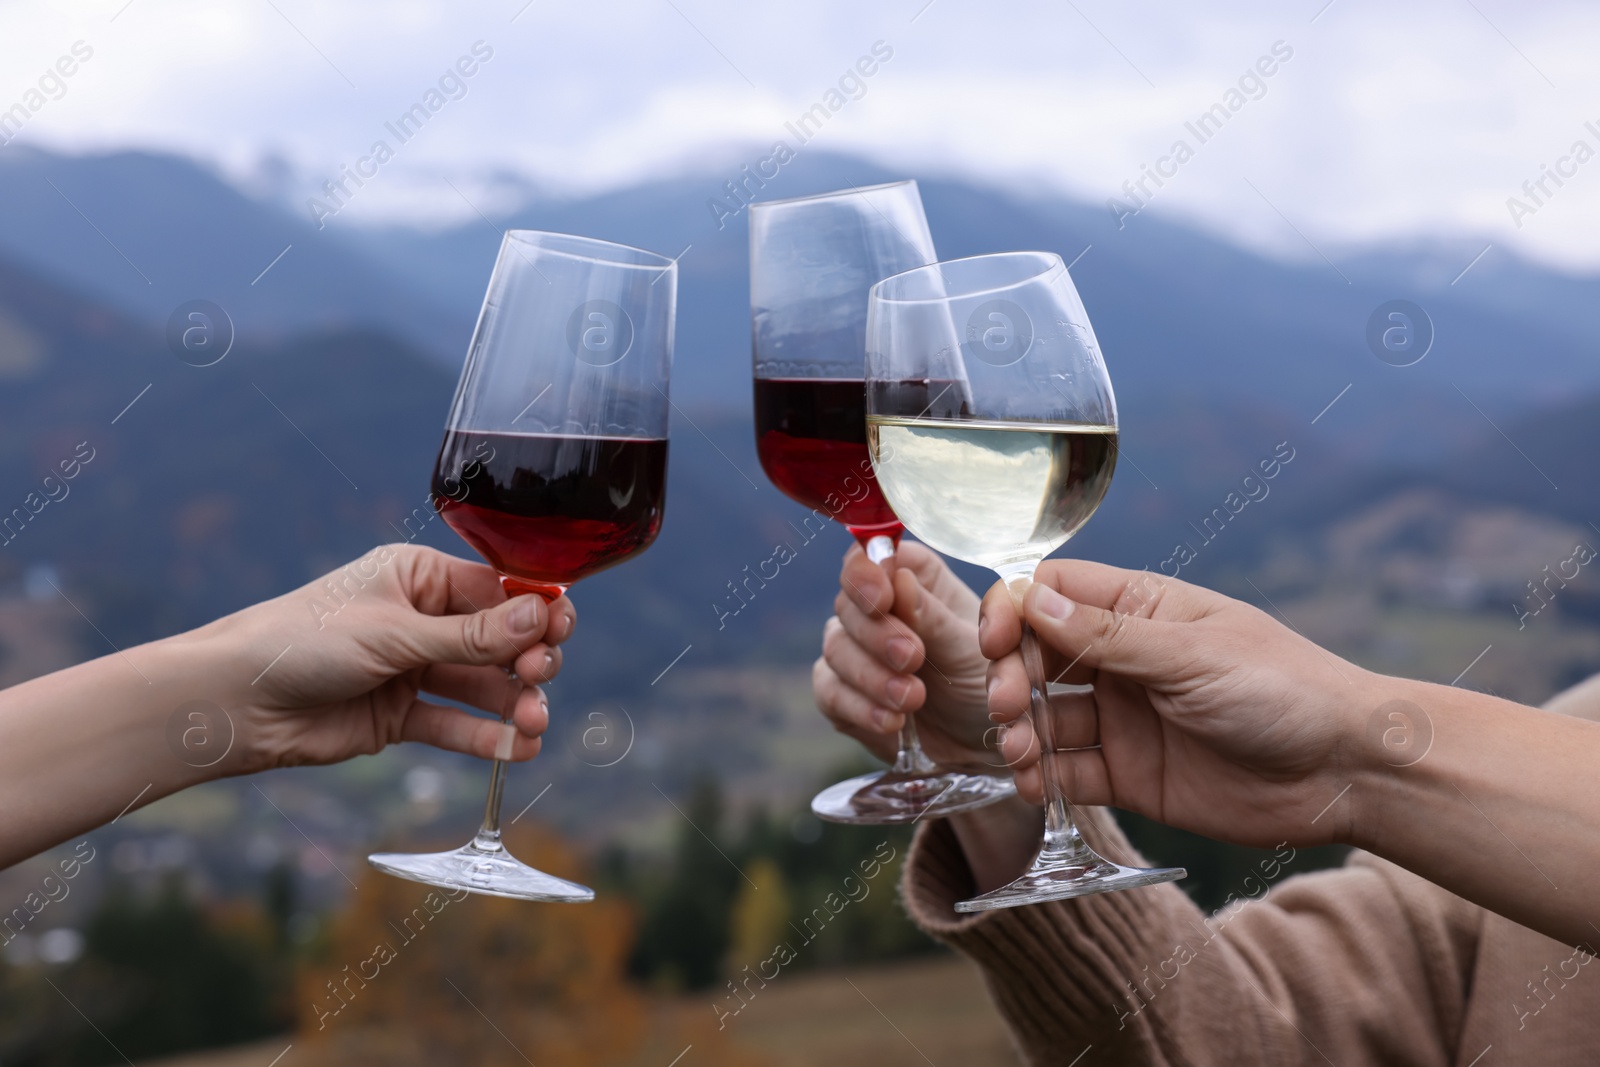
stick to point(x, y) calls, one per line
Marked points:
point(993, 432)
point(812, 261)
point(554, 463)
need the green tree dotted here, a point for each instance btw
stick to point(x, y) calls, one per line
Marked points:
point(160, 973)
point(685, 933)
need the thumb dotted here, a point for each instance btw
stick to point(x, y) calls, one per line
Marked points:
point(492, 635)
point(946, 636)
point(1088, 636)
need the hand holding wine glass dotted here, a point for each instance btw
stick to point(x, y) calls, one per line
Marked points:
point(1205, 713)
point(554, 464)
point(420, 622)
point(904, 640)
point(812, 260)
point(993, 432)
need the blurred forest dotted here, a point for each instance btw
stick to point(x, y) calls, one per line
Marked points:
point(400, 973)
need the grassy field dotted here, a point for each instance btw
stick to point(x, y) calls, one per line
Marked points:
point(932, 1010)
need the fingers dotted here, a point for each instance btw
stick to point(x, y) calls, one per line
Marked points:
point(936, 577)
point(458, 731)
point(1084, 777)
point(999, 622)
point(1074, 724)
point(1008, 687)
point(946, 636)
point(890, 612)
point(885, 637)
point(1126, 593)
point(563, 620)
point(495, 635)
point(922, 561)
point(491, 689)
point(867, 675)
point(1084, 635)
point(1142, 649)
point(1144, 593)
point(541, 663)
point(1080, 768)
point(853, 714)
point(865, 583)
point(438, 583)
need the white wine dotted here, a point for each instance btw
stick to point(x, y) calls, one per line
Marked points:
point(992, 493)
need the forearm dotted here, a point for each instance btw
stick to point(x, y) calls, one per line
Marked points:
point(82, 745)
point(1503, 809)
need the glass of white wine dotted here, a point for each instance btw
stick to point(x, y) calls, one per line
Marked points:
point(993, 433)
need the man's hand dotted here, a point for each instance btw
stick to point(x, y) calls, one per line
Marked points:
point(1208, 714)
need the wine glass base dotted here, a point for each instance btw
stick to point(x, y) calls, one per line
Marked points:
point(884, 798)
point(1063, 881)
point(495, 874)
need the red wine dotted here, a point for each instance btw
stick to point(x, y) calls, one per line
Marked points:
point(811, 435)
point(546, 510)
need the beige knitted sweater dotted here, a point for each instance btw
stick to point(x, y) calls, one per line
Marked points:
point(1366, 964)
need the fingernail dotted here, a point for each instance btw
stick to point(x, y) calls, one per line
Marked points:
point(900, 652)
point(882, 718)
point(898, 689)
point(1051, 603)
point(525, 614)
point(983, 624)
point(549, 662)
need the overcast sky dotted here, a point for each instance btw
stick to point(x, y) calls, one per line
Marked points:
point(1389, 121)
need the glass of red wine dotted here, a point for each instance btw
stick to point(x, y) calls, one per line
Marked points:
point(812, 261)
point(554, 463)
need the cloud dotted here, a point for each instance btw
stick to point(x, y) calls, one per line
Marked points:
point(1391, 122)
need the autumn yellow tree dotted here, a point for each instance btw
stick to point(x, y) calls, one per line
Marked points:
point(415, 975)
point(760, 915)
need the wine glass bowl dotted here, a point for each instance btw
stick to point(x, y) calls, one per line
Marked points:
point(812, 262)
point(553, 465)
point(993, 432)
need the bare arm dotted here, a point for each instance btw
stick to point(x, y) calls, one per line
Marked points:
point(1213, 717)
point(280, 683)
point(999, 841)
point(1504, 809)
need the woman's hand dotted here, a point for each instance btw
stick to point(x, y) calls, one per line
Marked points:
point(329, 671)
point(1208, 714)
point(339, 664)
point(904, 640)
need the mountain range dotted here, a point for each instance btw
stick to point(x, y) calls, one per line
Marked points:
point(213, 487)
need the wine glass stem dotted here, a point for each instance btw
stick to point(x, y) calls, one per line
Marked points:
point(1062, 842)
point(1061, 837)
point(909, 759)
point(488, 836)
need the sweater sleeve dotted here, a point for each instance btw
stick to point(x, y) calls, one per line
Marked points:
point(1364, 964)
